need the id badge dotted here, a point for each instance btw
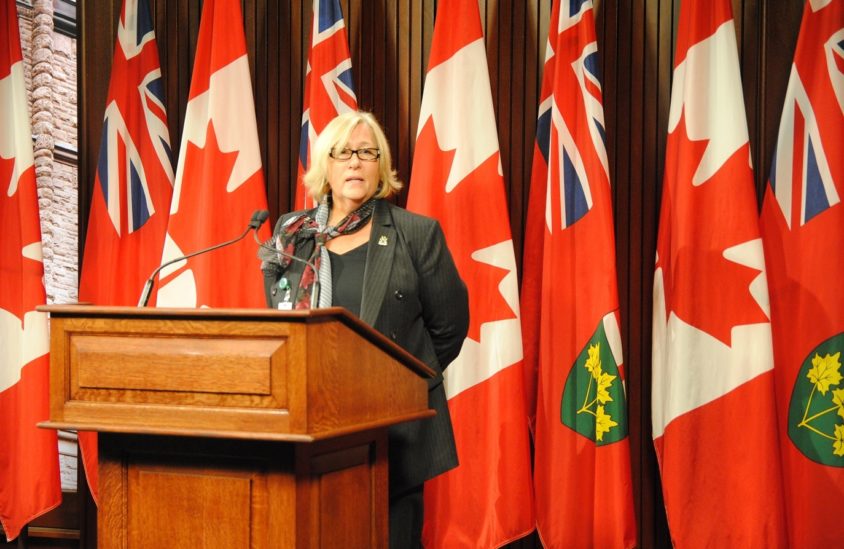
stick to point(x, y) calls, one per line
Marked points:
point(285, 304)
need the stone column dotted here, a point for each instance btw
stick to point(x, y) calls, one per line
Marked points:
point(58, 209)
point(41, 45)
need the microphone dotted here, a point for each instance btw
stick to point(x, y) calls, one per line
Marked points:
point(269, 262)
point(258, 219)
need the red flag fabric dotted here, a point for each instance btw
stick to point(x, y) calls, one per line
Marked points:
point(582, 478)
point(531, 292)
point(456, 178)
point(29, 457)
point(329, 88)
point(133, 185)
point(803, 233)
point(714, 423)
point(219, 179)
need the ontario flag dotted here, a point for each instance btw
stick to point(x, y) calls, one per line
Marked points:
point(803, 233)
point(133, 184)
point(582, 479)
point(329, 90)
point(29, 456)
point(134, 180)
point(219, 179)
point(487, 500)
point(714, 420)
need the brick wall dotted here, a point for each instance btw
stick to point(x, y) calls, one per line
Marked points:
point(50, 70)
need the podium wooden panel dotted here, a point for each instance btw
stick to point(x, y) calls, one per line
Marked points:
point(229, 428)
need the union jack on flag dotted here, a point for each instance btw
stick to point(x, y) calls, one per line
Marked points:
point(329, 90)
point(801, 178)
point(575, 101)
point(137, 90)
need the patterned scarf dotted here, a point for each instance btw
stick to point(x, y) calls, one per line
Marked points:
point(304, 228)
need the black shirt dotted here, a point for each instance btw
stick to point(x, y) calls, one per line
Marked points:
point(347, 278)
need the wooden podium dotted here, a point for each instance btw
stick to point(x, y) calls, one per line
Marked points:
point(234, 428)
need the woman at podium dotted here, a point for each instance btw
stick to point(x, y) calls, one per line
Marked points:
point(390, 267)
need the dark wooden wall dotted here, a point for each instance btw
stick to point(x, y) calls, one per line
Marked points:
point(390, 42)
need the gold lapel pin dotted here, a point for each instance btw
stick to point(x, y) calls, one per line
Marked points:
point(382, 240)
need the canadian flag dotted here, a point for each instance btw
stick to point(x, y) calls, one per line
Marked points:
point(29, 456)
point(219, 179)
point(714, 421)
point(456, 178)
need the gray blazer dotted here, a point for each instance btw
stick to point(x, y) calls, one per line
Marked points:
point(413, 294)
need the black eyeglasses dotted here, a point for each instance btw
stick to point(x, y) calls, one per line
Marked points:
point(369, 154)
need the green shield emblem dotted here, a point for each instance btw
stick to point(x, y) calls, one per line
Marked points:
point(594, 402)
point(816, 411)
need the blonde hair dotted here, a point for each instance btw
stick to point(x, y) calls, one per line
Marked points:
point(336, 135)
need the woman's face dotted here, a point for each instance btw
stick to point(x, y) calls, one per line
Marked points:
point(354, 181)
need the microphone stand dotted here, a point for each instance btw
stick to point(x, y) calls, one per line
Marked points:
point(258, 218)
point(315, 290)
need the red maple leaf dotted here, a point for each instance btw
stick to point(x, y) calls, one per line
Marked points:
point(209, 214)
point(705, 289)
point(21, 289)
point(10, 253)
point(473, 216)
point(6, 167)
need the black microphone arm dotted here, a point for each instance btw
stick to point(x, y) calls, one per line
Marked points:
point(270, 259)
point(258, 219)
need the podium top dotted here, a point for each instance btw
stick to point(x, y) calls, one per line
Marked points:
point(232, 373)
point(326, 314)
